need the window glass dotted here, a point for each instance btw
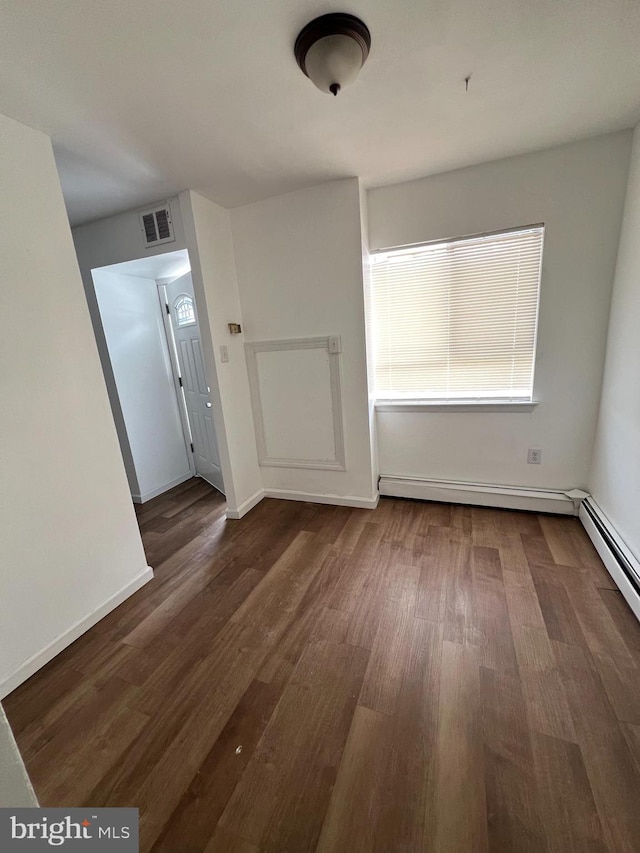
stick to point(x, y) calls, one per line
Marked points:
point(184, 310)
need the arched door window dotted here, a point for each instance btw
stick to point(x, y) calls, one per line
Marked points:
point(184, 310)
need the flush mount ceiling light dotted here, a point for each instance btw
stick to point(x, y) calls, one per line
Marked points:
point(332, 49)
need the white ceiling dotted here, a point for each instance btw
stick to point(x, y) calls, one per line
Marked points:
point(165, 265)
point(144, 98)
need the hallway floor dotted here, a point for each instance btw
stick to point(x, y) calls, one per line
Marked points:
point(421, 677)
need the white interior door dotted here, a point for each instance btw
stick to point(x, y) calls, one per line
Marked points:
point(186, 333)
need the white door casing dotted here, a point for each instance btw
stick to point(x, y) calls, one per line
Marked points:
point(186, 333)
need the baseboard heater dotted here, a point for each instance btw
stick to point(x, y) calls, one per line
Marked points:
point(620, 562)
point(479, 494)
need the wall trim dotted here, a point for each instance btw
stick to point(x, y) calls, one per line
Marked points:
point(453, 406)
point(140, 499)
point(252, 348)
point(310, 497)
point(37, 661)
point(246, 506)
point(618, 559)
point(480, 494)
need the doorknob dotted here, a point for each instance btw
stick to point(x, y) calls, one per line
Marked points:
point(208, 405)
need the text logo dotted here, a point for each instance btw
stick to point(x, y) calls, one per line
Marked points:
point(32, 829)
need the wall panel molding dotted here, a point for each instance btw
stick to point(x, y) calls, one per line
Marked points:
point(256, 352)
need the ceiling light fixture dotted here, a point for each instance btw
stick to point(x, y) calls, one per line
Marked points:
point(332, 49)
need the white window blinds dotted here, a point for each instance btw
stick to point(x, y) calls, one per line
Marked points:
point(457, 320)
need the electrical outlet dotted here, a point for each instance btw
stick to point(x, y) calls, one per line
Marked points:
point(534, 457)
point(224, 354)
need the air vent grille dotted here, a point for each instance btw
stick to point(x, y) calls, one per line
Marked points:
point(164, 225)
point(150, 233)
point(157, 226)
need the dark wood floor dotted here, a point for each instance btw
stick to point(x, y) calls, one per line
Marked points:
point(417, 678)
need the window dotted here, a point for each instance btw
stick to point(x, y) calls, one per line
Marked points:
point(456, 321)
point(184, 310)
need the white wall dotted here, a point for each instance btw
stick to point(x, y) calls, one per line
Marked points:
point(70, 544)
point(578, 191)
point(615, 476)
point(134, 330)
point(208, 230)
point(119, 238)
point(299, 263)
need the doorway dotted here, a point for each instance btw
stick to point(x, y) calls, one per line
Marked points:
point(183, 334)
point(156, 378)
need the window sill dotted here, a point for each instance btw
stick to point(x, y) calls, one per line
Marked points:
point(462, 406)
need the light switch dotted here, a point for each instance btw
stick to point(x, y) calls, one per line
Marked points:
point(335, 344)
point(224, 354)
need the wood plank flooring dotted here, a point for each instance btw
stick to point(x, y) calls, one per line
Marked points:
point(421, 677)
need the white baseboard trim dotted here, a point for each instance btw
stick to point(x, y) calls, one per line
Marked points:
point(140, 499)
point(619, 561)
point(37, 661)
point(335, 500)
point(480, 494)
point(245, 506)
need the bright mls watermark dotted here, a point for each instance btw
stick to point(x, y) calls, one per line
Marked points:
point(103, 830)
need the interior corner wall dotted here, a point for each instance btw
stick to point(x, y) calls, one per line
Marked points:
point(71, 548)
point(615, 475)
point(366, 280)
point(578, 191)
point(299, 263)
point(209, 240)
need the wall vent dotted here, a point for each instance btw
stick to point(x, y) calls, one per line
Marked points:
point(156, 225)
